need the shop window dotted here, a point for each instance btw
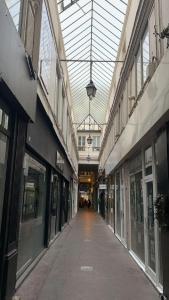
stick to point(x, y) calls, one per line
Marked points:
point(55, 205)
point(33, 194)
point(137, 215)
point(33, 189)
point(14, 7)
point(3, 155)
point(81, 143)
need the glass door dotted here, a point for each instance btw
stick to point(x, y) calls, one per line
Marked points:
point(151, 234)
point(150, 226)
point(118, 205)
point(122, 206)
point(54, 207)
point(4, 139)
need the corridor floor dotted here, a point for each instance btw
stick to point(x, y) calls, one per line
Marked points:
point(87, 262)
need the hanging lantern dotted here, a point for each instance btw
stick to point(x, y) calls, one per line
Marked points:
point(89, 140)
point(91, 90)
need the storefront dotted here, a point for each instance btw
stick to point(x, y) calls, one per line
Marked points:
point(55, 204)
point(44, 196)
point(111, 201)
point(32, 223)
point(4, 143)
point(120, 206)
point(135, 187)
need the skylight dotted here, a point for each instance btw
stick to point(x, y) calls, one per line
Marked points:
point(92, 32)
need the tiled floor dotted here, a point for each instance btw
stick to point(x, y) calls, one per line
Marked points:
point(87, 262)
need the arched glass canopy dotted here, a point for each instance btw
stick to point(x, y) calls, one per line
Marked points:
point(92, 33)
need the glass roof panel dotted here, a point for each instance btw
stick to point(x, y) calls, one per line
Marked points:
point(91, 32)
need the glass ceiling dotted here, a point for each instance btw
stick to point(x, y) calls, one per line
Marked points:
point(91, 31)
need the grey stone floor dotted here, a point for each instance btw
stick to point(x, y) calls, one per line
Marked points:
point(87, 262)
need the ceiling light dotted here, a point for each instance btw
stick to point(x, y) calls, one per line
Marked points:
point(91, 90)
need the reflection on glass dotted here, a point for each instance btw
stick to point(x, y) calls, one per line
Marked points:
point(151, 234)
point(0, 116)
point(14, 7)
point(148, 161)
point(55, 207)
point(81, 143)
point(137, 213)
point(146, 55)
point(31, 239)
point(118, 204)
point(47, 49)
point(3, 152)
point(138, 68)
point(96, 143)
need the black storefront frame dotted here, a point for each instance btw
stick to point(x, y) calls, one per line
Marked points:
point(58, 209)
point(9, 229)
point(21, 275)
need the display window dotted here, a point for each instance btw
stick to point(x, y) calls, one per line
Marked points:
point(55, 206)
point(4, 139)
point(33, 197)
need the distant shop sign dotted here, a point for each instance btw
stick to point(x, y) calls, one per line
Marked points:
point(102, 186)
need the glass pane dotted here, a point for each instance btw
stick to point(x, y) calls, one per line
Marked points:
point(6, 121)
point(118, 204)
point(47, 57)
point(55, 207)
point(31, 238)
point(138, 68)
point(0, 116)
point(14, 7)
point(146, 55)
point(151, 234)
point(76, 25)
point(137, 215)
point(148, 161)
point(3, 153)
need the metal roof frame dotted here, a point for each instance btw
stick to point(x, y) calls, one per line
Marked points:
point(92, 33)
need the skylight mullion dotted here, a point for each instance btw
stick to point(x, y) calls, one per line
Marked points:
point(115, 7)
point(76, 56)
point(108, 30)
point(82, 80)
point(77, 51)
point(105, 49)
point(81, 65)
point(103, 72)
point(109, 65)
point(80, 72)
point(103, 33)
point(107, 21)
point(100, 77)
point(68, 34)
point(103, 52)
point(75, 37)
point(108, 12)
point(101, 57)
point(105, 43)
point(74, 13)
point(74, 50)
point(104, 67)
point(75, 21)
point(80, 58)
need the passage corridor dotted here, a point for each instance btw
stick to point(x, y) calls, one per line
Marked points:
point(87, 263)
